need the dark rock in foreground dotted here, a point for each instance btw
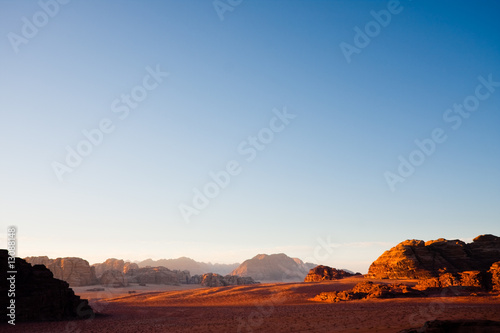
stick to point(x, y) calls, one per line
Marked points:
point(457, 326)
point(38, 295)
point(323, 273)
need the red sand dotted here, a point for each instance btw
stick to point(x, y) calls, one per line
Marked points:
point(262, 308)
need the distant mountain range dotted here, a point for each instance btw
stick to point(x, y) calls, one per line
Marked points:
point(193, 266)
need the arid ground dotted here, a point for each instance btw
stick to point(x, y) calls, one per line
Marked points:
point(271, 307)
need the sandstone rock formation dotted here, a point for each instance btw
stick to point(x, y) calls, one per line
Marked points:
point(194, 267)
point(75, 271)
point(157, 275)
point(113, 278)
point(39, 296)
point(113, 264)
point(414, 259)
point(470, 279)
point(322, 273)
point(216, 280)
point(494, 272)
point(368, 289)
point(274, 267)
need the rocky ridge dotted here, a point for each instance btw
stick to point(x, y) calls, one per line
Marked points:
point(115, 265)
point(416, 259)
point(76, 271)
point(217, 280)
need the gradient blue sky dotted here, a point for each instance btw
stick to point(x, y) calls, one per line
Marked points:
point(322, 177)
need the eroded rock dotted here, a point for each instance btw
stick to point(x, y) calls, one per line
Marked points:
point(76, 271)
point(414, 259)
point(323, 273)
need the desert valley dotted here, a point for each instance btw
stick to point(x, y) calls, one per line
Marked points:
point(416, 286)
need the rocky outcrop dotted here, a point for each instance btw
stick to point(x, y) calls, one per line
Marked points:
point(213, 280)
point(194, 267)
point(323, 273)
point(460, 325)
point(39, 296)
point(470, 279)
point(414, 259)
point(75, 271)
point(157, 275)
point(195, 279)
point(368, 289)
point(274, 267)
point(114, 264)
point(216, 280)
point(494, 272)
point(113, 278)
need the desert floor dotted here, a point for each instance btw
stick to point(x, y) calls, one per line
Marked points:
point(271, 307)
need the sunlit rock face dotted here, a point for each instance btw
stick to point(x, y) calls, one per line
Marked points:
point(414, 259)
point(39, 296)
point(495, 276)
point(75, 271)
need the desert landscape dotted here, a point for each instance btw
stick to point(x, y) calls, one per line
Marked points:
point(249, 166)
point(450, 284)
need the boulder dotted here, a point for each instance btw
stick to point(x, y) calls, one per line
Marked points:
point(39, 296)
point(414, 259)
point(322, 273)
point(75, 271)
point(113, 278)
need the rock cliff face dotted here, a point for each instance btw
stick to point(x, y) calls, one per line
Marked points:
point(216, 280)
point(75, 271)
point(274, 267)
point(39, 296)
point(414, 259)
point(113, 264)
point(323, 273)
point(157, 275)
point(113, 278)
point(471, 279)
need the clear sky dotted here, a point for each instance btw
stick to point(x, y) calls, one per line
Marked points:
point(313, 106)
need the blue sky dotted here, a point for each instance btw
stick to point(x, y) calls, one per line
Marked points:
point(321, 177)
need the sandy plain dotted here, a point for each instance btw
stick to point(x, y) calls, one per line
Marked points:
point(267, 307)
